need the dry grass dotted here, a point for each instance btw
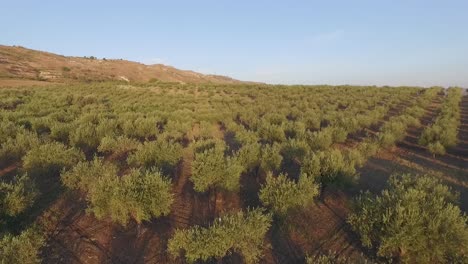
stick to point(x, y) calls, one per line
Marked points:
point(19, 62)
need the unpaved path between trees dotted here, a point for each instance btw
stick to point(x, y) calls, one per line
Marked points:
point(410, 157)
point(181, 212)
point(7, 170)
point(461, 150)
point(322, 228)
point(375, 173)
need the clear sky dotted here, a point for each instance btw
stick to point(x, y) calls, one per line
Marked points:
point(381, 42)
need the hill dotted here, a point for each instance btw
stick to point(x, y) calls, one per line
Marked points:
point(21, 63)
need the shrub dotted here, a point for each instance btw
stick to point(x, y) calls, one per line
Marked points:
point(118, 145)
point(335, 258)
point(87, 135)
point(271, 157)
point(50, 159)
point(159, 153)
point(211, 169)
point(320, 140)
point(332, 167)
point(8, 130)
point(413, 220)
point(339, 134)
point(141, 128)
point(271, 133)
point(60, 132)
point(387, 140)
point(85, 174)
point(249, 155)
point(41, 125)
point(177, 129)
point(312, 121)
point(15, 148)
point(241, 232)
point(23, 248)
point(282, 194)
point(368, 149)
point(443, 132)
point(436, 148)
point(295, 130)
point(141, 195)
point(294, 151)
point(17, 196)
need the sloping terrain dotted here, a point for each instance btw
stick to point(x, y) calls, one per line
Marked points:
point(22, 63)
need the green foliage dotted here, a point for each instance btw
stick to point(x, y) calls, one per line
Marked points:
point(84, 175)
point(339, 134)
point(331, 167)
point(294, 151)
point(140, 127)
point(270, 157)
point(23, 248)
point(271, 133)
point(90, 130)
point(413, 220)
point(334, 258)
point(41, 125)
point(159, 153)
point(17, 196)
point(241, 232)
point(249, 156)
point(118, 145)
point(267, 128)
point(320, 140)
point(8, 130)
point(436, 148)
point(312, 121)
point(50, 159)
point(295, 130)
point(443, 132)
point(140, 195)
point(176, 129)
point(282, 194)
point(368, 148)
point(15, 148)
point(60, 132)
point(211, 169)
point(391, 132)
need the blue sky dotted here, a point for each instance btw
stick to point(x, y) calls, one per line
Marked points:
point(376, 42)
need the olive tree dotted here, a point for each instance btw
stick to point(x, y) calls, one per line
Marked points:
point(50, 159)
point(140, 195)
point(282, 194)
point(160, 153)
point(85, 174)
point(241, 232)
point(118, 145)
point(14, 148)
point(211, 169)
point(271, 157)
point(332, 166)
point(17, 196)
point(23, 248)
point(414, 220)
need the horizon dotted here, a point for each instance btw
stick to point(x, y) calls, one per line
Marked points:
point(396, 44)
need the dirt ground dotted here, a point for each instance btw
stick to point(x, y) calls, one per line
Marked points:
point(410, 157)
point(77, 237)
point(22, 82)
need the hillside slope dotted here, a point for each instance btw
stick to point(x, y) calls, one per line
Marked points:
point(19, 62)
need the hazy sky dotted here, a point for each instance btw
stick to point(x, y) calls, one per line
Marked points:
point(312, 42)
